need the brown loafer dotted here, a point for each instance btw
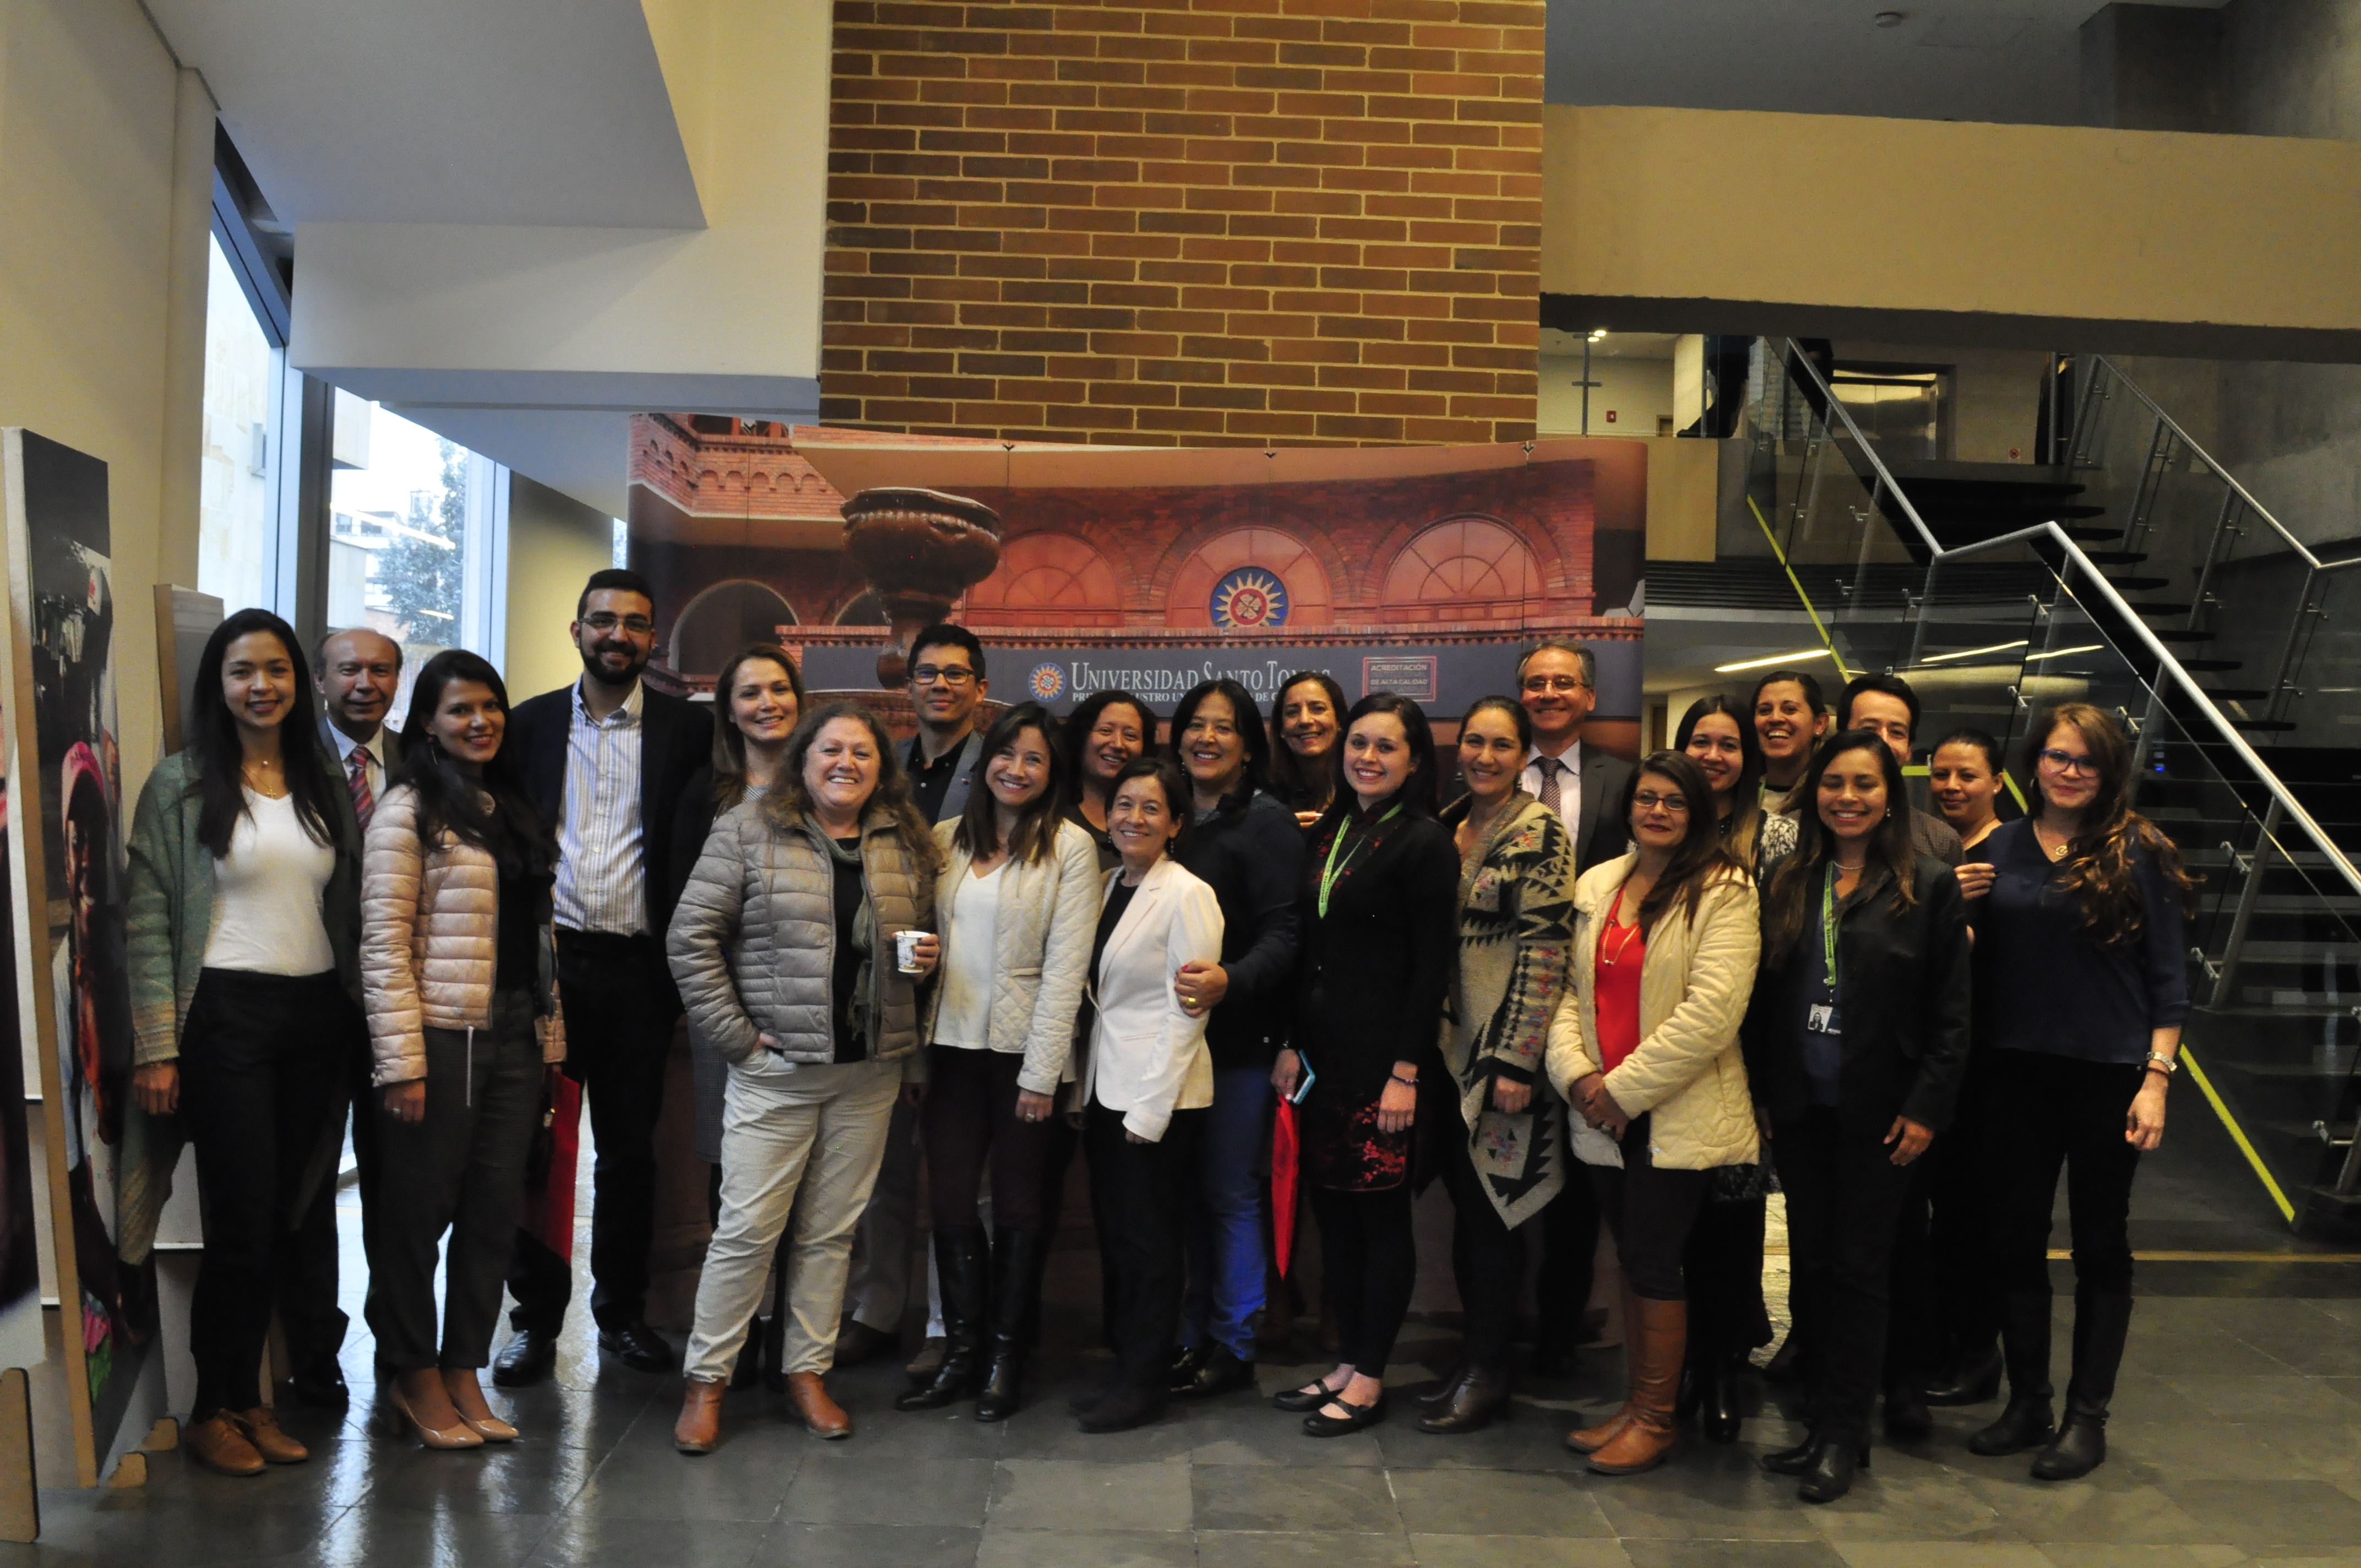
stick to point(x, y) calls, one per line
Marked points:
point(699, 1431)
point(260, 1427)
point(217, 1444)
point(823, 1417)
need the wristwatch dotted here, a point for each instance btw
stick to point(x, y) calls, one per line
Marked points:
point(2159, 1062)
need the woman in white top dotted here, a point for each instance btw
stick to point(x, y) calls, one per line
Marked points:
point(1017, 901)
point(1146, 1082)
point(241, 939)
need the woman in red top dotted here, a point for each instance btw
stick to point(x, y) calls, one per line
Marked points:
point(1645, 1050)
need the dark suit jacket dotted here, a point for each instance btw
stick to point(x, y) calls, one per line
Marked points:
point(1605, 832)
point(1904, 989)
point(347, 819)
point(676, 739)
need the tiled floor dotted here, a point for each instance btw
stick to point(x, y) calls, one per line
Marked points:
point(2237, 1439)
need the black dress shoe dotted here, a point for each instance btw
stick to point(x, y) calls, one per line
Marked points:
point(2025, 1423)
point(1186, 1359)
point(1442, 1392)
point(1311, 1396)
point(1795, 1461)
point(1975, 1380)
point(1829, 1474)
point(1907, 1417)
point(320, 1381)
point(528, 1357)
point(1122, 1408)
point(1220, 1370)
point(1356, 1416)
point(1719, 1413)
point(637, 1346)
point(856, 1342)
point(1478, 1398)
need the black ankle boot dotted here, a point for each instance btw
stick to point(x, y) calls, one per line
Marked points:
point(2024, 1341)
point(1797, 1461)
point(1829, 1472)
point(1694, 1378)
point(1907, 1417)
point(1016, 1274)
point(1720, 1412)
point(1973, 1381)
point(962, 1265)
point(2101, 1323)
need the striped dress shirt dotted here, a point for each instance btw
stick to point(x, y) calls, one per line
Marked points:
point(601, 875)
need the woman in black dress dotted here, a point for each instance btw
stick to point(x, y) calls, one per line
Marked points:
point(1380, 915)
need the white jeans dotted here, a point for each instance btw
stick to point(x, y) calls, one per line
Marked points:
point(800, 1141)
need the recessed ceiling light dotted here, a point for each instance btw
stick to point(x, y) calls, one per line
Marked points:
point(1598, 333)
point(1892, 18)
point(1795, 658)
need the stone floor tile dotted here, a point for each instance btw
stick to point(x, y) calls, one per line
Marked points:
point(1885, 1505)
point(1335, 1499)
point(918, 1492)
point(1324, 1549)
point(581, 1540)
point(1082, 1549)
point(1732, 1554)
point(2119, 1554)
point(794, 1544)
point(519, 1478)
point(2272, 1513)
point(1681, 1502)
point(1518, 1551)
point(370, 1536)
point(1497, 1502)
point(2064, 1512)
point(1074, 1495)
point(1941, 1554)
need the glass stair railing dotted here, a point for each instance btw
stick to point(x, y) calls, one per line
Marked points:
point(2143, 579)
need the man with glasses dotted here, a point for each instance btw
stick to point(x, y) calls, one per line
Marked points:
point(947, 690)
point(606, 759)
point(1888, 708)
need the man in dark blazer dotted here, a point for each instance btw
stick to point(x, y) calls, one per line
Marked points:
point(1557, 683)
point(357, 671)
point(607, 759)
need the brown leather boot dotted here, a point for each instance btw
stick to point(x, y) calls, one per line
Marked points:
point(1590, 1440)
point(217, 1444)
point(699, 1431)
point(1655, 1348)
point(823, 1417)
point(259, 1427)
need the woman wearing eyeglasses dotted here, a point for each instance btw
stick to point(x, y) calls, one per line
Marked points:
point(2081, 989)
point(1645, 1049)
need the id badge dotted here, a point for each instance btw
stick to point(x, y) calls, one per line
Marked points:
point(1823, 1018)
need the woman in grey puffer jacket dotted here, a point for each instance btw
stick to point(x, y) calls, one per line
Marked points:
point(784, 949)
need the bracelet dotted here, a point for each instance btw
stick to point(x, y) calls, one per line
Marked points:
point(1405, 1082)
point(2159, 1062)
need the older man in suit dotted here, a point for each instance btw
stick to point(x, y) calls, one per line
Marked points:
point(357, 671)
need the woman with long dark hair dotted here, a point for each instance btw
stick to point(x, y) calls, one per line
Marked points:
point(1645, 1049)
point(459, 969)
point(242, 933)
point(2081, 987)
point(1106, 733)
point(1855, 1041)
point(1502, 1138)
point(1014, 904)
point(1790, 716)
point(1379, 910)
point(1717, 734)
point(1307, 725)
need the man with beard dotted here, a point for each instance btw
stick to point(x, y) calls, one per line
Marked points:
point(606, 759)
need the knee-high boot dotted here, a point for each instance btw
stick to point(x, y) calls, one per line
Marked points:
point(2025, 1343)
point(2101, 1323)
point(962, 1264)
point(1016, 1300)
point(1590, 1440)
point(1650, 1435)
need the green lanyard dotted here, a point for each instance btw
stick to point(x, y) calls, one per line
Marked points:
point(1335, 867)
point(1828, 927)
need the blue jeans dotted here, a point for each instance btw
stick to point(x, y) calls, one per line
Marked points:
point(1224, 1232)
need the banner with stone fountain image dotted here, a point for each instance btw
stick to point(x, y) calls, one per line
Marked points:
point(1423, 571)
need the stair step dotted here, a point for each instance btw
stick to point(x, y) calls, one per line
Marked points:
point(2160, 609)
point(2236, 693)
point(2083, 533)
point(2262, 726)
point(2138, 585)
point(2211, 667)
point(2179, 634)
point(2117, 557)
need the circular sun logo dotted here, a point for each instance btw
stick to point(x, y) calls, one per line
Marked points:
point(1045, 683)
point(1249, 598)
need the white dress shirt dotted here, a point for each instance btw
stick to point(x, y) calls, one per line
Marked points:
point(372, 757)
point(1569, 786)
point(601, 879)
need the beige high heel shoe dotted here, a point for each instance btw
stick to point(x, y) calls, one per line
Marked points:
point(399, 1421)
point(488, 1427)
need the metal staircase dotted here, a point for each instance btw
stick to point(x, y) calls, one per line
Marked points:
point(2140, 576)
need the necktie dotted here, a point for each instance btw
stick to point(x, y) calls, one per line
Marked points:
point(356, 780)
point(1550, 767)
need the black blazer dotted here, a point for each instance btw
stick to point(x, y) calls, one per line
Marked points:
point(676, 739)
point(1605, 833)
point(1250, 852)
point(1903, 986)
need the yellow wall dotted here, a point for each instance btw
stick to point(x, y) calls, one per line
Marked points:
point(1636, 389)
point(554, 544)
point(2057, 223)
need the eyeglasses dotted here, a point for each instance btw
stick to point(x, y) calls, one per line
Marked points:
point(1672, 804)
point(1537, 684)
point(606, 620)
point(946, 674)
point(2070, 764)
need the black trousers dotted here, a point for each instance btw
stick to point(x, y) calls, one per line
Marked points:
point(1844, 1199)
point(968, 1119)
point(460, 1169)
point(1649, 1210)
point(2070, 1114)
point(1569, 1260)
point(619, 1006)
point(262, 1060)
point(1141, 1193)
point(307, 1287)
point(1723, 1270)
point(1965, 1280)
point(1487, 1258)
point(1369, 1267)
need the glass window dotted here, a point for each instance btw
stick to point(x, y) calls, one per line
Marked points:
point(235, 528)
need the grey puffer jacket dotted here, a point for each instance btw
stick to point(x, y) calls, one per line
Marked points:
point(752, 943)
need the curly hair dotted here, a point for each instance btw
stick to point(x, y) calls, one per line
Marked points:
point(2097, 871)
point(789, 804)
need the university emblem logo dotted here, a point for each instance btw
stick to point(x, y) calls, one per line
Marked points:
point(1047, 683)
point(1249, 599)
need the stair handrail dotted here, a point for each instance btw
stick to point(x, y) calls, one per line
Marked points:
point(2164, 661)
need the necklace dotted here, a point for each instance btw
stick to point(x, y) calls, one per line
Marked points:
point(1607, 959)
point(2040, 837)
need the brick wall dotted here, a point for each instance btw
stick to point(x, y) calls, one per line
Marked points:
point(1190, 222)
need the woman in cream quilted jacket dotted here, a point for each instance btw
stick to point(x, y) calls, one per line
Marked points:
point(1017, 904)
point(1645, 1049)
point(459, 978)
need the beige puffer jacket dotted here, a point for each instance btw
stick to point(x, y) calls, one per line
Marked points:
point(430, 941)
point(752, 943)
point(1695, 983)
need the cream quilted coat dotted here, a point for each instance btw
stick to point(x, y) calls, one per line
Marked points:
point(1047, 918)
point(1694, 984)
point(430, 938)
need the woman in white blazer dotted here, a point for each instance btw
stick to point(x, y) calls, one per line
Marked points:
point(1016, 902)
point(1146, 1084)
point(1645, 1048)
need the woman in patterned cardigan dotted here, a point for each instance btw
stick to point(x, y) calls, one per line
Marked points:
point(1501, 1144)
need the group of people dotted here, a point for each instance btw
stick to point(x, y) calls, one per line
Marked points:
point(1583, 992)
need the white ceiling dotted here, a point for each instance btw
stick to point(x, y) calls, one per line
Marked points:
point(1614, 345)
point(537, 112)
point(2015, 61)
